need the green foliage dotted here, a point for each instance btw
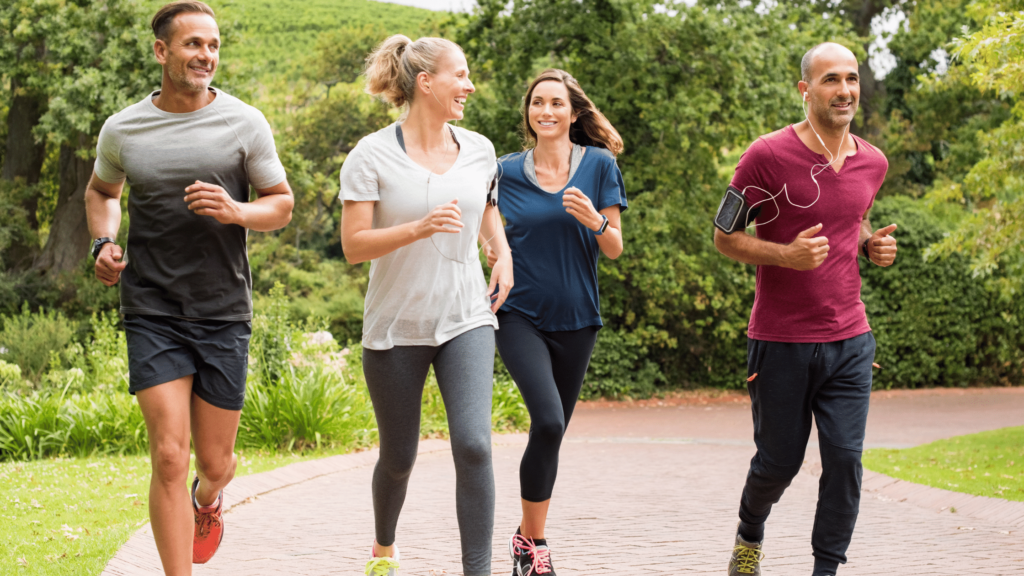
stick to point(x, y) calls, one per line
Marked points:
point(10, 375)
point(986, 464)
point(683, 89)
point(277, 36)
point(29, 338)
point(933, 321)
point(993, 58)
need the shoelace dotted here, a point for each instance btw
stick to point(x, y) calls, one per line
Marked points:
point(381, 566)
point(747, 559)
point(540, 557)
point(206, 522)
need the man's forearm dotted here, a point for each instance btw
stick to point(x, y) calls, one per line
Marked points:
point(748, 249)
point(103, 213)
point(267, 213)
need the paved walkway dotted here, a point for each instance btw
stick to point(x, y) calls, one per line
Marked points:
point(643, 489)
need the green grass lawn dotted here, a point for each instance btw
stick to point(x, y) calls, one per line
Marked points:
point(70, 515)
point(985, 464)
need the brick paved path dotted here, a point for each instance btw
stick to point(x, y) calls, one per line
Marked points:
point(640, 491)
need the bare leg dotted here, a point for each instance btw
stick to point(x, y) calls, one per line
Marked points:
point(383, 551)
point(213, 434)
point(166, 410)
point(535, 516)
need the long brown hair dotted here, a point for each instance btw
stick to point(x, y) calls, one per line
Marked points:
point(591, 127)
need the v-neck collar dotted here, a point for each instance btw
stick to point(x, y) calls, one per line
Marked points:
point(400, 142)
point(568, 184)
point(792, 131)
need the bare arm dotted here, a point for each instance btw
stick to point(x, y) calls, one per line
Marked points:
point(805, 252)
point(103, 214)
point(361, 242)
point(499, 256)
point(271, 211)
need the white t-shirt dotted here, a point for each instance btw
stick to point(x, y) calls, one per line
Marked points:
point(432, 290)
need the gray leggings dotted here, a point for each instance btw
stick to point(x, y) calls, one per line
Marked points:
point(464, 367)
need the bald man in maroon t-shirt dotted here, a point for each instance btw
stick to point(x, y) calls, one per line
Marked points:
point(810, 350)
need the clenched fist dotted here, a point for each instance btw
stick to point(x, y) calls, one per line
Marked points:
point(807, 251)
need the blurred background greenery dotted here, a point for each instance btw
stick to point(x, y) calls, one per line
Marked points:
point(688, 86)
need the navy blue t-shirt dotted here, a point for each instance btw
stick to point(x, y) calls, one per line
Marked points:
point(554, 256)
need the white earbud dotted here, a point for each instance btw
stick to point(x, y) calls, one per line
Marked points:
point(805, 96)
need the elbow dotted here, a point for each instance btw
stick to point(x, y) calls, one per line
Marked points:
point(614, 254)
point(720, 242)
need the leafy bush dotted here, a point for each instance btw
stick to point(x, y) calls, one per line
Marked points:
point(935, 323)
point(29, 338)
point(10, 375)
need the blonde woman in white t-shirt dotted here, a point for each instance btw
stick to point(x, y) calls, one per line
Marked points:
point(415, 201)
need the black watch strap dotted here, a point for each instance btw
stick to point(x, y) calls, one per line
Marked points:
point(98, 243)
point(864, 248)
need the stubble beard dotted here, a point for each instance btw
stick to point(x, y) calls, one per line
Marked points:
point(182, 81)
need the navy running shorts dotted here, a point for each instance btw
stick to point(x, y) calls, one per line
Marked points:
point(214, 352)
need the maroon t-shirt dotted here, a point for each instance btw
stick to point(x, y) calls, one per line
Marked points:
point(820, 305)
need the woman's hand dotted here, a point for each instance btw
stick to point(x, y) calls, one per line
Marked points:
point(440, 219)
point(577, 204)
point(501, 278)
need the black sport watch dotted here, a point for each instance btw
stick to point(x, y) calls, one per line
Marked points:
point(97, 244)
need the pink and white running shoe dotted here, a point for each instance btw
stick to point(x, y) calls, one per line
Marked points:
point(530, 557)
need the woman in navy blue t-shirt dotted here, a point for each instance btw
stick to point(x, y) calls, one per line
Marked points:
point(561, 200)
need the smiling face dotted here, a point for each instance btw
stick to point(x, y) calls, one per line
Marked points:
point(450, 86)
point(833, 92)
point(191, 52)
point(550, 111)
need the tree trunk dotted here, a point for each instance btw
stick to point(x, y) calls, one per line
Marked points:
point(68, 242)
point(871, 90)
point(23, 159)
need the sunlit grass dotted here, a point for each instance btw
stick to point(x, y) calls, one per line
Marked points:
point(70, 515)
point(985, 464)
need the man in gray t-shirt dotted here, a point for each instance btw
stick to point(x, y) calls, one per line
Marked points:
point(190, 154)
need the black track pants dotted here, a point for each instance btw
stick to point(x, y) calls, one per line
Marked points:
point(832, 381)
point(548, 368)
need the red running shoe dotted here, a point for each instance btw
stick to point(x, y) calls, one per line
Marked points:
point(209, 527)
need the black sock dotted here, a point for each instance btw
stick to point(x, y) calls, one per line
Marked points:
point(825, 567)
point(753, 533)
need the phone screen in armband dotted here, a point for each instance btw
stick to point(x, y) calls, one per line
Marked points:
point(732, 212)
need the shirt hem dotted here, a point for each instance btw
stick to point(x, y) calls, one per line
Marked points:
point(434, 342)
point(809, 340)
point(151, 312)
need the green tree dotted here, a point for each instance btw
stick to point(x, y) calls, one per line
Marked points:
point(993, 188)
point(683, 88)
point(71, 65)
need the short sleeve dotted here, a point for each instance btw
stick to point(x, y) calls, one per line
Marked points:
point(108, 151)
point(261, 160)
point(753, 173)
point(612, 191)
point(359, 182)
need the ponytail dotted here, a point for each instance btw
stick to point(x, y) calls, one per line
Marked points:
point(392, 67)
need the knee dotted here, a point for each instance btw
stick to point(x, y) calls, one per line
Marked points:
point(220, 468)
point(773, 473)
point(170, 462)
point(396, 466)
point(472, 452)
point(841, 459)
point(549, 431)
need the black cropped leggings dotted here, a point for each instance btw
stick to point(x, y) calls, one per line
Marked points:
point(548, 368)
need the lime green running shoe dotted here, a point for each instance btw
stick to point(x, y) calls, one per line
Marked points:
point(746, 558)
point(383, 565)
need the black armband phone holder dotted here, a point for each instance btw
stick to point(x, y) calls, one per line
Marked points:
point(733, 213)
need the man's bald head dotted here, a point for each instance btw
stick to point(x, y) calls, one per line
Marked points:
point(825, 48)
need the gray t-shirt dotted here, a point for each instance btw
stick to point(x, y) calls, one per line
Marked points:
point(432, 290)
point(179, 263)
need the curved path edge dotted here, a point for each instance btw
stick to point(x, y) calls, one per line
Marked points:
point(994, 510)
point(138, 555)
